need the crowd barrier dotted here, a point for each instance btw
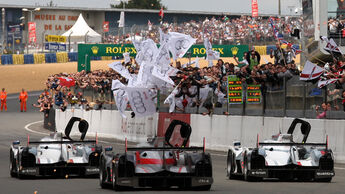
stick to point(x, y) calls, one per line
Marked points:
point(219, 130)
point(63, 57)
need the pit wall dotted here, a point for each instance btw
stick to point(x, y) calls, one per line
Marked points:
point(219, 130)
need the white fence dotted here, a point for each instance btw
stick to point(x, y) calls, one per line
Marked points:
point(220, 130)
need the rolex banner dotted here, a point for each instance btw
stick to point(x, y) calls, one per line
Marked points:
point(88, 51)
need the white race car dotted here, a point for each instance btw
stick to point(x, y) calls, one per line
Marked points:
point(56, 155)
point(162, 162)
point(282, 158)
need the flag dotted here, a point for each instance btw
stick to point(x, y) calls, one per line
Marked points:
point(126, 57)
point(225, 18)
point(311, 71)
point(149, 50)
point(331, 46)
point(119, 68)
point(161, 13)
point(141, 101)
point(255, 10)
point(163, 37)
point(294, 48)
point(120, 96)
point(171, 100)
point(67, 81)
point(105, 26)
point(210, 54)
point(122, 20)
point(164, 73)
point(179, 44)
point(121, 100)
point(276, 33)
point(162, 57)
point(323, 83)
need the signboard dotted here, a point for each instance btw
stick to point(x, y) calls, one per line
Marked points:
point(32, 32)
point(55, 38)
point(253, 94)
point(14, 34)
point(235, 90)
point(105, 26)
point(55, 47)
point(118, 50)
point(255, 9)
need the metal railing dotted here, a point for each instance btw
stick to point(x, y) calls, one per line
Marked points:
point(284, 98)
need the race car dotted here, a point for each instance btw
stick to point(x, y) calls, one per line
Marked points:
point(162, 162)
point(282, 157)
point(56, 155)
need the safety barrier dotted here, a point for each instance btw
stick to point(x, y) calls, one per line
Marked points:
point(18, 59)
point(61, 57)
point(29, 59)
point(219, 130)
point(39, 58)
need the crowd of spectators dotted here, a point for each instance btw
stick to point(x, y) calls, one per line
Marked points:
point(196, 85)
point(224, 30)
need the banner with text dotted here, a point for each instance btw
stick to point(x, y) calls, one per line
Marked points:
point(32, 32)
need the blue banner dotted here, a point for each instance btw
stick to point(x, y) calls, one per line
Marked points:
point(55, 46)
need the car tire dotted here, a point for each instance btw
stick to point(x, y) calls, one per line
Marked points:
point(116, 187)
point(102, 177)
point(12, 164)
point(229, 167)
point(246, 175)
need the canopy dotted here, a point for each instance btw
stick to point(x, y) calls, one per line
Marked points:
point(80, 29)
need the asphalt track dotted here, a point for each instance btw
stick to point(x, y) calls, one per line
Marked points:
point(16, 125)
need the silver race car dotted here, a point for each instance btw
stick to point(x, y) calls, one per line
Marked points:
point(161, 162)
point(56, 155)
point(283, 158)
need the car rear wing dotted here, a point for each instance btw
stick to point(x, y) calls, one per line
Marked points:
point(291, 144)
point(64, 142)
point(165, 148)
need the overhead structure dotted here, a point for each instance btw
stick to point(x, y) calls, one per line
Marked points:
point(81, 32)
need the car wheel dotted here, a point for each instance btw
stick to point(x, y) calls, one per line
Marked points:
point(229, 167)
point(116, 187)
point(12, 164)
point(246, 172)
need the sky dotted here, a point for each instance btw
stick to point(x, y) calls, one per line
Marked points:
point(228, 6)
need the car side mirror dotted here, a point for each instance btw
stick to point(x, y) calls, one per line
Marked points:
point(16, 142)
point(107, 149)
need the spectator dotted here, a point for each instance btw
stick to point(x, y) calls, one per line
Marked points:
point(321, 115)
point(278, 54)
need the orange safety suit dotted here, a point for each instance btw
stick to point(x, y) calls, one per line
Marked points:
point(3, 97)
point(23, 97)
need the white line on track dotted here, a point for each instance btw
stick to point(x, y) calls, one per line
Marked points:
point(32, 131)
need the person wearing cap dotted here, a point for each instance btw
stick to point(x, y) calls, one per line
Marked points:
point(23, 97)
point(3, 97)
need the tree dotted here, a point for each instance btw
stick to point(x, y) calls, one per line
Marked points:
point(141, 4)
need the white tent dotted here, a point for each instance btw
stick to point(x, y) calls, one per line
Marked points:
point(81, 32)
